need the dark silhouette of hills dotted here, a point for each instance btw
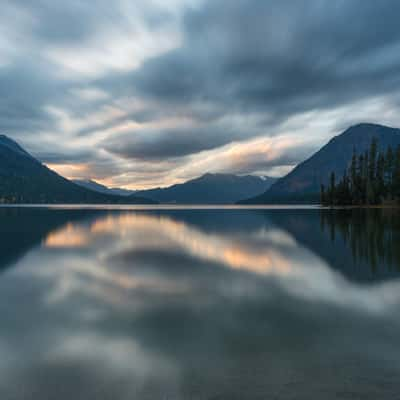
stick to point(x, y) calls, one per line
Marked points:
point(302, 185)
point(97, 187)
point(23, 179)
point(211, 189)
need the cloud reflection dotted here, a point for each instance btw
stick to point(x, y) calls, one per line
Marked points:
point(71, 236)
point(160, 231)
point(191, 305)
point(132, 252)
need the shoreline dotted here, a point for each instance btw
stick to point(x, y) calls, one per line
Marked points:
point(394, 206)
point(133, 207)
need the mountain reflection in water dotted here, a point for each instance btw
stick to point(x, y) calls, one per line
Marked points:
point(199, 304)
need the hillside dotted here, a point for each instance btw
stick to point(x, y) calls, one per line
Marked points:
point(302, 185)
point(23, 179)
point(210, 189)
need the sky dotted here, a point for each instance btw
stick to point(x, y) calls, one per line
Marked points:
point(146, 93)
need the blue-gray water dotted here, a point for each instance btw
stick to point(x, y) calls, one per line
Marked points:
point(199, 304)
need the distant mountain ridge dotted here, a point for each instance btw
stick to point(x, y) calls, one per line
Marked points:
point(302, 184)
point(23, 179)
point(210, 189)
point(97, 187)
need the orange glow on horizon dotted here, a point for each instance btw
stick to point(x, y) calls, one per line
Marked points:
point(70, 171)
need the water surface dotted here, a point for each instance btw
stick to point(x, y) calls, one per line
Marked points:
point(170, 303)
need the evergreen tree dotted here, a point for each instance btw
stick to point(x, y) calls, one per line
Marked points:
point(373, 153)
point(361, 180)
point(323, 194)
point(368, 173)
point(346, 198)
point(396, 175)
point(379, 187)
point(389, 167)
point(332, 189)
point(354, 183)
point(372, 177)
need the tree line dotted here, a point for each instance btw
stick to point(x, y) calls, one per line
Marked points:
point(372, 178)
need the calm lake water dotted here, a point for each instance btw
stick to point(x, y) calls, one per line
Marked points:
point(199, 304)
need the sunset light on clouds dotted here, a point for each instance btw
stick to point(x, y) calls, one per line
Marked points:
point(143, 94)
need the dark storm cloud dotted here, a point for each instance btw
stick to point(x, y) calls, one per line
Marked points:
point(64, 157)
point(236, 70)
point(72, 21)
point(170, 142)
point(24, 92)
point(28, 81)
point(279, 56)
point(36, 34)
point(63, 21)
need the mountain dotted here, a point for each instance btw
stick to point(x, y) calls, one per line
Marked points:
point(211, 189)
point(97, 187)
point(23, 179)
point(302, 185)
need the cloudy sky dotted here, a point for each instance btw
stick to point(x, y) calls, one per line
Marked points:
point(152, 92)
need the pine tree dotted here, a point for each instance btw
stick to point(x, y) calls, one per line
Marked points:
point(379, 186)
point(389, 166)
point(370, 193)
point(346, 191)
point(369, 172)
point(396, 175)
point(354, 178)
point(371, 178)
point(373, 152)
point(332, 189)
point(360, 179)
point(323, 194)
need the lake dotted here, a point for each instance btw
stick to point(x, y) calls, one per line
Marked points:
point(199, 303)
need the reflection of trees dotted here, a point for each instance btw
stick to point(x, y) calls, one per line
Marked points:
point(373, 235)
